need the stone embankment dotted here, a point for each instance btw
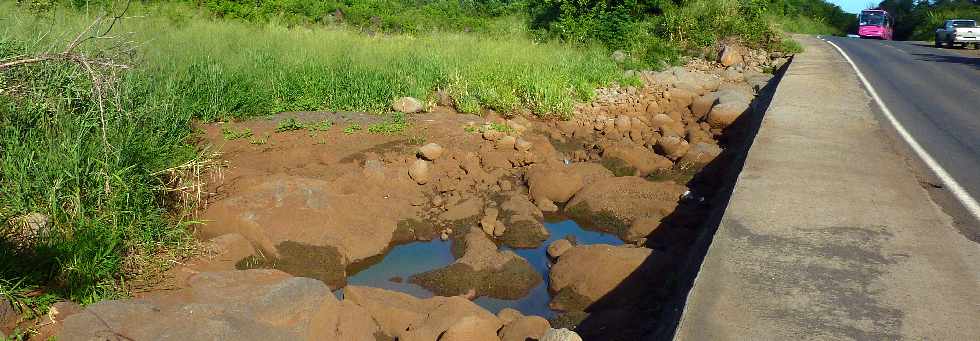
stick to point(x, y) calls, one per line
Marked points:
point(316, 204)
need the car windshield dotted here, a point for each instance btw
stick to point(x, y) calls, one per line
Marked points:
point(872, 19)
point(964, 23)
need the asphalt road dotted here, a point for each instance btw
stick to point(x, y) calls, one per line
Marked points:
point(935, 94)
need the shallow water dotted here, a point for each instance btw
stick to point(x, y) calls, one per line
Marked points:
point(406, 260)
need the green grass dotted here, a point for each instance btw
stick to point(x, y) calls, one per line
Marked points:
point(395, 123)
point(805, 25)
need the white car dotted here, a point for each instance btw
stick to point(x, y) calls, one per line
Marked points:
point(958, 32)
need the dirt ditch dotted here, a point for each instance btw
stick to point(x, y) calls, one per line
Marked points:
point(513, 224)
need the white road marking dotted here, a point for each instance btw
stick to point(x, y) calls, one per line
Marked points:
point(954, 187)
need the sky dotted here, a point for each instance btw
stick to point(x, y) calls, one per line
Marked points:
point(853, 6)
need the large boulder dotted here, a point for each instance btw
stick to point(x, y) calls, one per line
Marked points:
point(631, 159)
point(343, 214)
point(231, 305)
point(407, 105)
point(702, 105)
point(524, 328)
point(613, 204)
point(701, 154)
point(724, 114)
point(560, 335)
point(585, 274)
point(406, 317)
point(482, 269)
point(524, 222)
point(730, 56)
point(556, 183)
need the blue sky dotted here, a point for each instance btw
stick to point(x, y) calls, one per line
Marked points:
point(853, 6)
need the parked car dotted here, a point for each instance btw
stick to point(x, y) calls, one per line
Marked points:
point(958, 31)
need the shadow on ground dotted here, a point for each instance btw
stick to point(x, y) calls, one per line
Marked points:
point(931, 57)
point(648, 304)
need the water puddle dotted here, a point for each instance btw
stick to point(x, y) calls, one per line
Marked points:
point(403, 261)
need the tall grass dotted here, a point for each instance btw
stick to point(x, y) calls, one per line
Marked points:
point(806, 25)
point(110, 218)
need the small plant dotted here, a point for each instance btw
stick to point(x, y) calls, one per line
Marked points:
point(231, 134)
point(503, 128)
point(321, 126)
point(289, 124)
point(417, 140)
point(352, 128)
point(393, 125)
point(471, 129)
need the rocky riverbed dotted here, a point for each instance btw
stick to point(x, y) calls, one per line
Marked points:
point(299, 213)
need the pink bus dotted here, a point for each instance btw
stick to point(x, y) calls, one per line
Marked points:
point(875, 23)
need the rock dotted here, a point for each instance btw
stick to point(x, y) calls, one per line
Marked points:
point(472, 328)
point(492, 135)
point(729, 56)
point(499, 230)
point(724, 114)
point(732, 75)
point(522, 145)
point(673, 147)
point(560, 335)
point(506, 142)
point(623, 200)
point(701, 154)
point(465, 209)
point(702, 105)
point(555, 183)
point(682, 98)
point(559, 247)
point(9, 316)
point(622, 123)
point(444, 236)
point(661, 120)
point(444, 98)
point(407, 105)
point(406, 317)
point(637, 160)
point(733, 94)
point(587, 273)
point(509, 315)
point(524, 328)
point(483, 268)
point(230, 305)
point(419, 171)
point(430, 151)
point(299, 220)
point(619, 56)
point(778, 63)
point(590, 172)
point(28, 228)
point(524, 221)
point(641, 228)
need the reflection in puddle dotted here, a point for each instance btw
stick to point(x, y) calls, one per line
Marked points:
point(403, 261)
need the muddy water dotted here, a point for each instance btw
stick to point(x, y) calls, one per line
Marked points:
point(403, 261)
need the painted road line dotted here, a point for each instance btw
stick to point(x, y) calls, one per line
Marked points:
point(954, 187)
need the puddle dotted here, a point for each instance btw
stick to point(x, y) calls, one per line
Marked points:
point(403, 261)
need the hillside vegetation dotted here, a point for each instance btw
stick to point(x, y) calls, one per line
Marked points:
point(918, 20)
point(99, 170)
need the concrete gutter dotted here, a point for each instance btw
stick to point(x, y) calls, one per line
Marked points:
point(828, 234)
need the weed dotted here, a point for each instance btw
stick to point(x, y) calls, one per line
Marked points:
point(352, 128)
point(289, 124)
point(392, 125)
point(230, 134)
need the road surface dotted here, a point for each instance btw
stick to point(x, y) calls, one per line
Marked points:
point(935, 94)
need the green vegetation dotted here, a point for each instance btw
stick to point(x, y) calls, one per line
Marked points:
point(231, 134)
point(352, 128)
point(108, 157)
point(394, 124)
